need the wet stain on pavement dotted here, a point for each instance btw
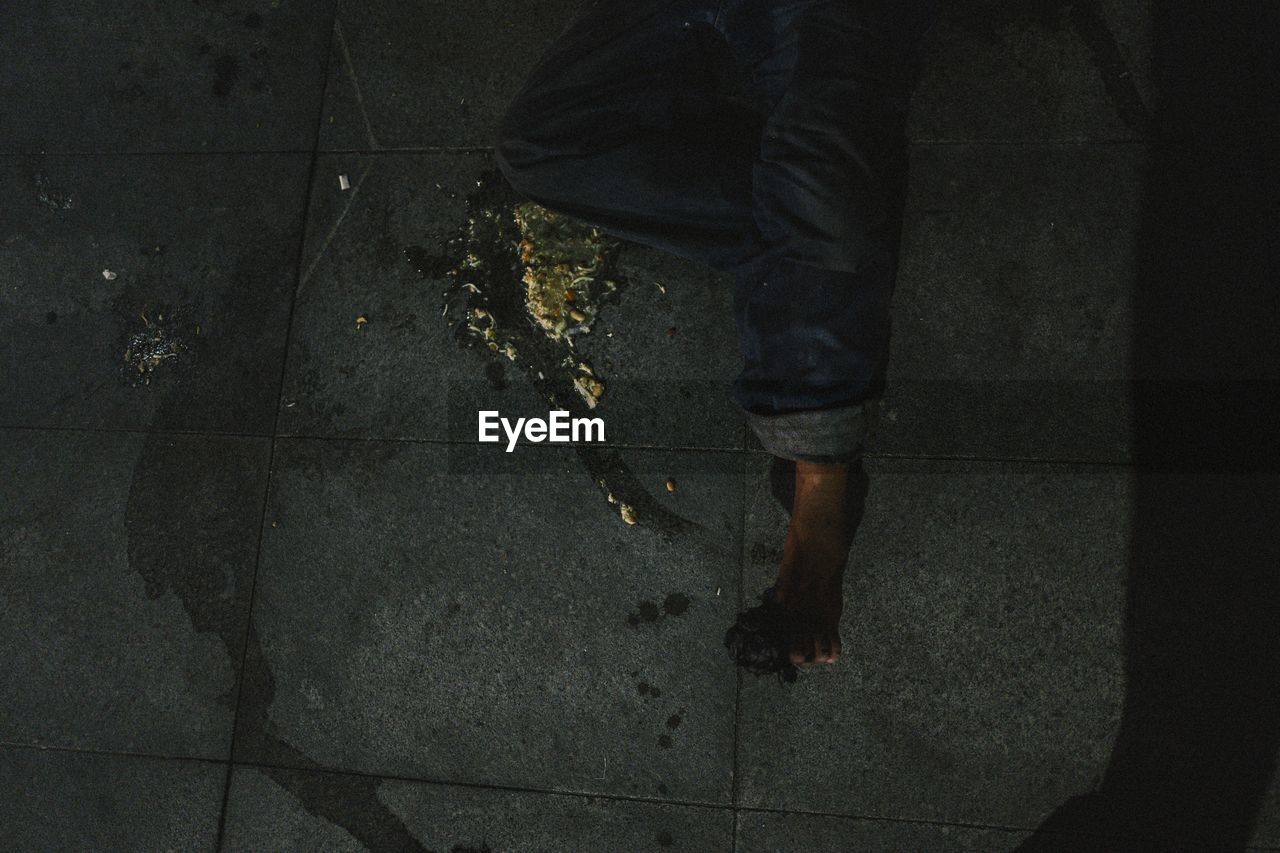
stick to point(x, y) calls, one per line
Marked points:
point(644, 688)
point(665, 839)
point(757, 641)
point(180, 541)
point(496, 374)
point(676, 604)
point(226, 71)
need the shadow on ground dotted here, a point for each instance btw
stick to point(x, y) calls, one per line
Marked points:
point(1196, 747)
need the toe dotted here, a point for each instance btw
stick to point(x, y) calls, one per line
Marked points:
point(802, 651)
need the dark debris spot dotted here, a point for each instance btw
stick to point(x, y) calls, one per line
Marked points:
point(664, 741)
point(676, 604)
point(253, 21)
point(673, 721)
point(52, 197)
point(227, 71)
point(159, 335)
point(496, 373)
point(664, 837)
point(51, 317)
point(647, 689)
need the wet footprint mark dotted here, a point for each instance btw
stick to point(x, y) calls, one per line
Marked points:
point(757, 641)
point(673, 723)
point(675, 604)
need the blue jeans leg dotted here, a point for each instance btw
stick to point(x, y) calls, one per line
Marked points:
point(795, 188)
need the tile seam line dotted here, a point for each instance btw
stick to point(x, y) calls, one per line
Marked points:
point(212, 152)
point(735, 790)
point(487, 786)
point(535, 448)
point(464, 149)
point(475, 149)
point(111, 753)
point(656, 448)
point(971, 143)
point(355, 83)
point(1083, 833)
point(308, 193)
point(719, 807)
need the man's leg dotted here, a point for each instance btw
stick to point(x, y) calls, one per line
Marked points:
point(813, 308)
point(616, 126)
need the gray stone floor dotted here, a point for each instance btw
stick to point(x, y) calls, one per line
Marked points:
point(277, 599)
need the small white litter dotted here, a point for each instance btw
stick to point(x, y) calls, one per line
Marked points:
point(343, 183)
point(108, 275)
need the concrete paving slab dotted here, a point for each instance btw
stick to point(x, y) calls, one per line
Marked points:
point(127, 562)
point(147, 292)
point(437, 75)
point(1036, 72)
point(54, 800)
point(982, 672)
point(279, 809)
point(118, 76)
point(421, 613)
point(1014, 304)
point(666, 359)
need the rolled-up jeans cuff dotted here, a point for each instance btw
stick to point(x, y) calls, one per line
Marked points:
point(820, 435)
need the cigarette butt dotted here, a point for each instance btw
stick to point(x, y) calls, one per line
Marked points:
point(343, 183)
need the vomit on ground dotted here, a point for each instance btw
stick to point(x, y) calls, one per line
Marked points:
point(524, 284)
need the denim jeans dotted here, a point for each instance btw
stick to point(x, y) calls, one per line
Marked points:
point(763, 138)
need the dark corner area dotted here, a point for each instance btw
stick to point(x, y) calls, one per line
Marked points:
point(270, 270)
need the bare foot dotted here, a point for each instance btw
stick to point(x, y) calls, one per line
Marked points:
point(809, 587)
